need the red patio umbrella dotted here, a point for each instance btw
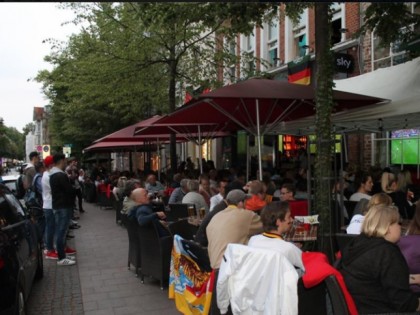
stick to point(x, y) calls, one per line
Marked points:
point(257, 104)
point(127, 133)
point(192, 131)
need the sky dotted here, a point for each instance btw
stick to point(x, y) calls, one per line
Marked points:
point(23, 27)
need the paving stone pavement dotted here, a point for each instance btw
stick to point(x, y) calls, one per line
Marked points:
point(100, 283)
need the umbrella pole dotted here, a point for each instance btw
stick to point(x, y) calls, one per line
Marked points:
point(158, 158)
point(247, 157)
point(199, 150)
point(257, 110)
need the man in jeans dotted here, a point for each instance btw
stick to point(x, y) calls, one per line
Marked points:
point(63, 194)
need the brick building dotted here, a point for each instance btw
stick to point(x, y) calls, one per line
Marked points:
point(271, 47)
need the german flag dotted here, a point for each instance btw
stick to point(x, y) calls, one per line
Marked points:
point(299, 71)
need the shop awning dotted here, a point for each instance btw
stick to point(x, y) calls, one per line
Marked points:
point(399, 83)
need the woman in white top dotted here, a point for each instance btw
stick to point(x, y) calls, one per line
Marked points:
point(355, 226)
point(364, 183)
point(276, 220)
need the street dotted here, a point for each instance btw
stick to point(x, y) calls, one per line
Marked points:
point(99, 283)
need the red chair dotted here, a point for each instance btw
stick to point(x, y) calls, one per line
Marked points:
point(298, 208)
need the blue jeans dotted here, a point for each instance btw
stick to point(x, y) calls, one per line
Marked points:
point(62, 219)
point(49, 229)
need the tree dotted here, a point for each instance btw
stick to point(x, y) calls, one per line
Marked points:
point(392, 22)
point(173, 43)
point(12, 144)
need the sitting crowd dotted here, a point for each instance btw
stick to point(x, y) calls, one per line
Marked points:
point(380, 267)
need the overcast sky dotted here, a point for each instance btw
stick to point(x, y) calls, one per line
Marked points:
point(23, 27)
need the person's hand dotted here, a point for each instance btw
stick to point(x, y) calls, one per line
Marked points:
point(161, 215)
point(415, 279)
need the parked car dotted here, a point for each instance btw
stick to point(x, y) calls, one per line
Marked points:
point(21, 259)
point(10, 181)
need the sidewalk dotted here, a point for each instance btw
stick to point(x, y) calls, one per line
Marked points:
point(100, 282)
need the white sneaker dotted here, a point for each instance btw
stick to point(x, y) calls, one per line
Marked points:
point(74, 222)
point(66, 262)
point(71, 257)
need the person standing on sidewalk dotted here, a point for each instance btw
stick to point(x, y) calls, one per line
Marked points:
point(63, 195)
point(49, 252)
point(73, 173)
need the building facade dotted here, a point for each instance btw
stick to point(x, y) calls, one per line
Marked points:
point(270, 48)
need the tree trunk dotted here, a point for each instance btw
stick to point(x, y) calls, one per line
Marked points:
point(325, 145)
point(172, 103)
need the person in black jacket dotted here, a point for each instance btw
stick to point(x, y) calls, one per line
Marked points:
point(374, 269)
point(144, 214)
point(63, 195)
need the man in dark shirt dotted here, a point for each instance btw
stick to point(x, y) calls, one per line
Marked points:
point(144, 214)
point(63, 195)
point(179, 193)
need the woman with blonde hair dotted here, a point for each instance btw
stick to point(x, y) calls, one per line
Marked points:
point(357, 220)
point(374, 269)
point(410, 247)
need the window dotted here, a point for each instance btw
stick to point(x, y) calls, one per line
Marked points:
point(303, 21)
point(249, 40)
point(337, 26)
point(247, 55)
point(270, 46)
point(296, 42)
point(230, 73)
point(251, 67)
point(300, 45)
point(273, 30)
point(393, 54)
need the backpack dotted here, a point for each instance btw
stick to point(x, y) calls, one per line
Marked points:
point(33, 198)
point(20, 190)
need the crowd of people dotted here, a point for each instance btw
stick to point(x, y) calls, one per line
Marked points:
point(55, 185)
point(380, 267)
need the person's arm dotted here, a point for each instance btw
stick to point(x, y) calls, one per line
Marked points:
point(414, 279)
point(144, 217)
point(38, 184)
point(255, 226)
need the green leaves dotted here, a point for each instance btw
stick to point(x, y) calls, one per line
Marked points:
point(391, 21)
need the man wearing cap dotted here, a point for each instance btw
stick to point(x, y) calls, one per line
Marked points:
point(232, 225)
point(50, 252)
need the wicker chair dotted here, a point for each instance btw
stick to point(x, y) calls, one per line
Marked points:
point(134, 250)
point(155, 254)
point(118, 204)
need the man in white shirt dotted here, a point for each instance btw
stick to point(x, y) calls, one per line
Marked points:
point(219, 197)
